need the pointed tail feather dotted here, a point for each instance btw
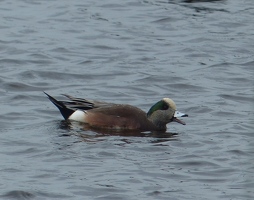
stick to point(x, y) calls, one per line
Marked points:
point(65, 111)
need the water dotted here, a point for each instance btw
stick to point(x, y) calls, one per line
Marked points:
point(200, 54)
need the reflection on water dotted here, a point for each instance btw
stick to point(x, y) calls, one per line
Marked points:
point(196, 1)
point(88, 133)
point(18, 194)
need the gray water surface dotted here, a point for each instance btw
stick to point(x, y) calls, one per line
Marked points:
point(199, 53)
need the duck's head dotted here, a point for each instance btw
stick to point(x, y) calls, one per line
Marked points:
point(163, 112)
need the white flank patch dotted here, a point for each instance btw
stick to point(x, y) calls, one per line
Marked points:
point(78, 115)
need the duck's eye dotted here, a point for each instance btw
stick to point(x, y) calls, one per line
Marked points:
point(164, 107)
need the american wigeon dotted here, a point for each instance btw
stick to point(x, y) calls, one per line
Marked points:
point(104, 115)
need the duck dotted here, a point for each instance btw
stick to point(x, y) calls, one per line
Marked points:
point(104, 115)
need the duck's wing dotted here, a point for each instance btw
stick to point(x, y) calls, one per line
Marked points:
point(84, 104)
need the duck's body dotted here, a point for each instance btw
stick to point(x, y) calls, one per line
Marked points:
point(118, 116)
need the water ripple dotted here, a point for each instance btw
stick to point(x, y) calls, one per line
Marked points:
point(134, 52)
